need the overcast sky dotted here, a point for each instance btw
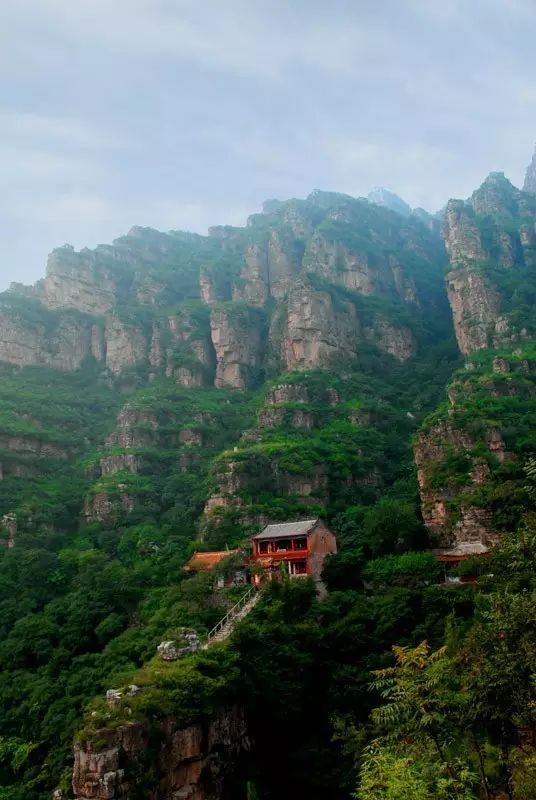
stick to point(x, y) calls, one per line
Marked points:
point(188, 113)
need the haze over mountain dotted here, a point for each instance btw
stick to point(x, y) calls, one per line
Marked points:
point(172, 115)
point(267, 480)
point(171, 394)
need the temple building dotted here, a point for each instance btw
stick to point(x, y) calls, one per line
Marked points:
point(297, 548)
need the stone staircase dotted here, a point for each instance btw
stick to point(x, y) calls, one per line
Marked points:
point(227, 624)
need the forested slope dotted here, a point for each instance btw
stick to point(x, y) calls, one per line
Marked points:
point(171, 392)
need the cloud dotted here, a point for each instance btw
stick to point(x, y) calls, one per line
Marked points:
point(185, 113)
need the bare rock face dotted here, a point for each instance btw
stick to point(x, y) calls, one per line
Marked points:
point(187, 642)
point(318, 333)
point(282, 266)
point(190, 358)
point(104, 507)
point(129, 462)
point(62, 345)
point(490, 233)
point(449, 523)
point(8, 530)
point(462, 235)
point(237, 340)
point(126, 345)
point(79, 280)
point(254, 286)
point(530, 176)
point(288, 393)
point(298, 419)
point(398, 341)
point(32, 445)
point(192, 764)
point(135, 428)
point(475, 311)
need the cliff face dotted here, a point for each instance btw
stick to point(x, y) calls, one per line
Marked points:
point(490, 244)
point(137, 304)
point(169, 417)
point(315, 441)
point(530, 177)
point(467, 451)
point(461, 453)
point(237, 337)
point(316, 332)
point(192, 762)
point(61, 342)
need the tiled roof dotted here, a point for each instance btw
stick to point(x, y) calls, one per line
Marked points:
point(463, 549)
point(206, 561)
point(284, 529)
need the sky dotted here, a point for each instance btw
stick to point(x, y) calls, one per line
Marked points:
point(181, 114)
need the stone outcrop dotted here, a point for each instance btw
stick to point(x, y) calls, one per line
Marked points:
point(62, 343)
point(356, 270)
point(8, 530)
point(491, 232)
point(398, 341)
point(462, 235)
point(80, 281)
point(475, 308)
point(192, 763)
point(109, 507)
point(126, 345)
point(450, 524)
point(383, 197)
point(135, 428)
point(32, 445)
point(186, 642)
point(238, 342)
point(530, 176)
point(318, 333)
point(254, 284)
point(128, 462)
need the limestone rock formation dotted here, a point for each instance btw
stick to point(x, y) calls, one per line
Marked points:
point(237, 337)
point(530, 176)
point(475, 310)
point(80, 281)
point(254, 285)
point(192, 762)
point(462, 235)
point(383, 197)
point(59, 342)
point(126, 345)
point(317, 332)
point(464, 451)
point(398, 341)
point(485, 238)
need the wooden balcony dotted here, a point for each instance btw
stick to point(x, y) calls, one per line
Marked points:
point(283, 555)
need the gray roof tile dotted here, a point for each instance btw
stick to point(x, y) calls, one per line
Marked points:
point(282, 529)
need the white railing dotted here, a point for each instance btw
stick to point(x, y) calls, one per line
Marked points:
point(232, 612)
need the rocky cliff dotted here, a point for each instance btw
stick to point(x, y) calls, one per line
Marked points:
point(192, 763)
point(137, 304)
point(470, 453)
point(471, 447)
point(530, 176)
point(169, 389)
point(490, 242)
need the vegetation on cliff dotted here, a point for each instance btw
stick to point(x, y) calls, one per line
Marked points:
point(276, 372)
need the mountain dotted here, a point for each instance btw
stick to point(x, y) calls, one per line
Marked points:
point(530, 177)
point(171, 392)
point(383, 197)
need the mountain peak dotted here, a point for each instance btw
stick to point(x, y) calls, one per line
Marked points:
point(530, 176)
point(383, 197)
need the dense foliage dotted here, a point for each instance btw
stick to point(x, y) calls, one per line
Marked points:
point(404, 681)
